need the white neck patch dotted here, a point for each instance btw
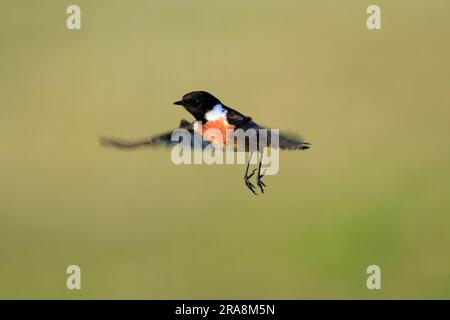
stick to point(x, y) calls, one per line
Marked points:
point(216, 113)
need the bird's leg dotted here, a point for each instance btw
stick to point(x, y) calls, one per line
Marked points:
point(247, 176)
point(260, 175)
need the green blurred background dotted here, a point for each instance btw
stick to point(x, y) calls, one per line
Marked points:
point(374, 189)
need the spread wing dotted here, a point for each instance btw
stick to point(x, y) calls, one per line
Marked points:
point(285, 141)
point(164, 139)
point(291, 142)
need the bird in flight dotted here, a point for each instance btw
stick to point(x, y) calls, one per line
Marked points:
point(210, 113)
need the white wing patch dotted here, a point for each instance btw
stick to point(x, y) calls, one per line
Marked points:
point(216, 113)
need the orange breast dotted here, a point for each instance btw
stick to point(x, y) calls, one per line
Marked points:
point(218, 134)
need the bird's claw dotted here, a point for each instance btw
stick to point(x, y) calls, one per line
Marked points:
point(259, 182)
point(250, 185)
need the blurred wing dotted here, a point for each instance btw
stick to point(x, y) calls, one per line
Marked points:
point(285, 141)
point(163, 139)
point(291, 142)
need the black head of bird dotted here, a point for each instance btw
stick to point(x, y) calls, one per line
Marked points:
point(198, 103)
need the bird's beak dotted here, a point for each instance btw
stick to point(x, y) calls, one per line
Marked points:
point(178, 103)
